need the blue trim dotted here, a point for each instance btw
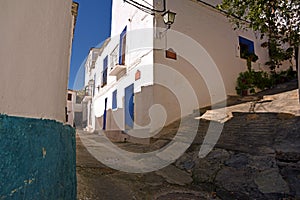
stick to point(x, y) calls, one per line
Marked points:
point(114, 99)
point(105, 63)
point(104, 72)
point(129, 106)
point(248, 43)
point(123, 34)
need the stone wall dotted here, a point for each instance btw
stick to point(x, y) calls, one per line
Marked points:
point(38, 159)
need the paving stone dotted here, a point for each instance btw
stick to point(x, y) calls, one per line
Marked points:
point(174, 175)
point(219, 155)
point(235, 180)
point(270, 181)
point(152, 179)
point(291, 173)
point(261, 163)
point(201, 175)
point(186, 162)
point(238, 160)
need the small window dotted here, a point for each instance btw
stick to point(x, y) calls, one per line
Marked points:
point(79, 99)
point(104, 72)
point(69, 97)
point(114, 99)
point(246, 47)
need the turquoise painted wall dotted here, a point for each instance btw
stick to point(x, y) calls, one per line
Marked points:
point(37, 159)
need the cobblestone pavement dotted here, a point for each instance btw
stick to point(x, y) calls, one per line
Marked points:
point(256, 157)
point(96, 181)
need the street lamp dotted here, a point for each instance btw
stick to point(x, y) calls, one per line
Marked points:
point(169, 18)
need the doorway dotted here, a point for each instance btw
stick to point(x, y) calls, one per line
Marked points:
point(129, 107)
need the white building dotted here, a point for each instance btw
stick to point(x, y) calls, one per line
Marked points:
point(74, 109)
point(147, 65)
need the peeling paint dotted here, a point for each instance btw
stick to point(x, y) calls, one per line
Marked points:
point(44, 152)
point(29, 181)
point(26, 182)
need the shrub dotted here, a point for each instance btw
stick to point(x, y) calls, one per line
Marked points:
point(251, 80)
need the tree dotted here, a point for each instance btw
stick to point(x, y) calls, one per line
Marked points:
point(278, 19)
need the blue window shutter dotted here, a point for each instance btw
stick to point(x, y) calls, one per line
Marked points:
point(246, 47)
point(104, 72)
point(105, 63)
point(121, 44)
point(114, 99)
point(251, 47)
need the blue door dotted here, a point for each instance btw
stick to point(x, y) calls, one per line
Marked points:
point(129, 107)
point(104, 115)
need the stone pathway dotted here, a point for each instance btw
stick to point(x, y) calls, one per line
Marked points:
point(286, 102)
point(256, 157)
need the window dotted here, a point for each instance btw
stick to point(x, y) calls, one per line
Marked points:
point(79, 99)
point(246, 47)
point(122, 49)
point(104, 72)
point(114, 99)
point(69, 97)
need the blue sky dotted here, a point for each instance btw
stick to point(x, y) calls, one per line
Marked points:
point(92, 28)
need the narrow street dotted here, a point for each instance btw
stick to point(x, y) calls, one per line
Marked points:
point(256, 157)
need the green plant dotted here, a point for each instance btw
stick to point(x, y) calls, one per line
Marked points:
point(282, 76)
point(251, 58)
point(250, 80)
point(276, 53)
point(278, 20)
point(244, 83)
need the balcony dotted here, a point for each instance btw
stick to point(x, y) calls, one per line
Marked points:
point(89, 90)
point(117, 69)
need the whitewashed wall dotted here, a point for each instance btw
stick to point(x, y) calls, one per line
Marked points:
point(207, 27)
point(208, 56)
point(213, 31)
point(72, 107)
point(34, 57)
point(139, 55)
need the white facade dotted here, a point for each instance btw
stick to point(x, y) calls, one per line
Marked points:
point(207, 51)
point(135, 59)
point(36, 39)
point(73, 107)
